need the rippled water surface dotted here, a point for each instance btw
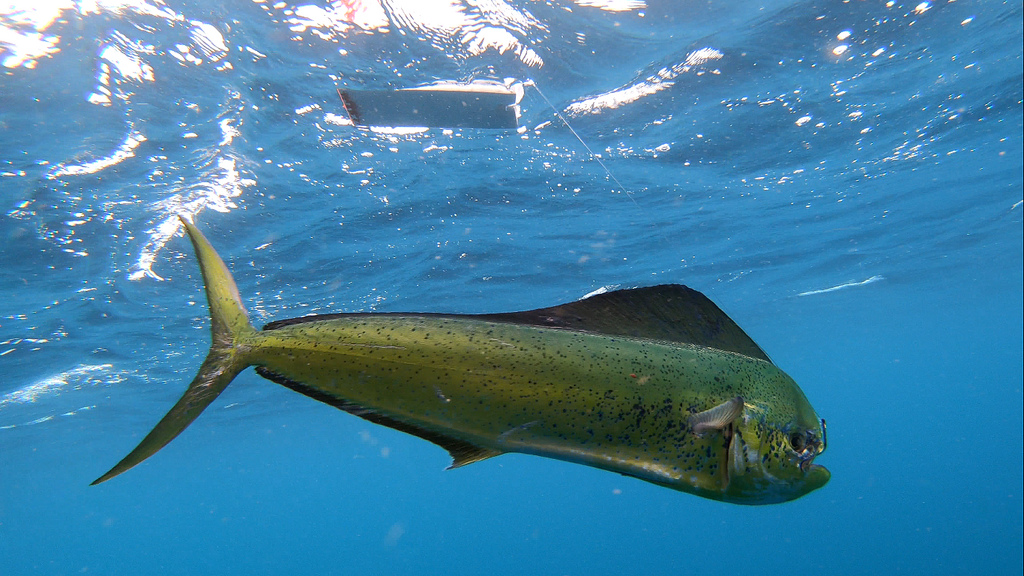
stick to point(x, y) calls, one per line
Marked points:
point(843, 178)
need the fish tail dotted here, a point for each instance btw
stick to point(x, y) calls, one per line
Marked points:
point(229, 324)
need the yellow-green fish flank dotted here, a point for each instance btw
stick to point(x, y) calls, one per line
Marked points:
point(655, 383)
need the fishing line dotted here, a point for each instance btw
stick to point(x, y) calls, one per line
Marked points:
point(531, 83)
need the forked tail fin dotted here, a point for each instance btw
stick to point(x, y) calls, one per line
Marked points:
point(229, 322)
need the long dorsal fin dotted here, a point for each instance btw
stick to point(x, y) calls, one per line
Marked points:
point(462, 452)
point(669, 312)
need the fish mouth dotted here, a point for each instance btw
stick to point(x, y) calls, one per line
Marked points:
point(807, 462)
point(805, 459)
point(816, 476)
point(812, 450)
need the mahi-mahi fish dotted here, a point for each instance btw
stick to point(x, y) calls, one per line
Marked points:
point(655, 383)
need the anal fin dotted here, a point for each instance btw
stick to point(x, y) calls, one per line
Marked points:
point(462, 452)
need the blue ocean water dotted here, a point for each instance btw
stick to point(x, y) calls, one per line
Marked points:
point(843, 178)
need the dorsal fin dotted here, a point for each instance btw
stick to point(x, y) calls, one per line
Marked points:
point(462, 452)
point(669, 312)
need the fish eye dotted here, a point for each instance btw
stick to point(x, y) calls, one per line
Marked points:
point(797, 441)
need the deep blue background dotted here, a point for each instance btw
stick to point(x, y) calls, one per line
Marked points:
point(908, 172)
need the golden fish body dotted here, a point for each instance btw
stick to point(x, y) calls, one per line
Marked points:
point(655, 383)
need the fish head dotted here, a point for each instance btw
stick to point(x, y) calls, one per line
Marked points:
point(771, 452)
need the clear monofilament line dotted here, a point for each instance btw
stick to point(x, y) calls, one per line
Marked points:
point(580, 138)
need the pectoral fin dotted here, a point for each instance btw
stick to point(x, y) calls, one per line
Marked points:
point(717, 418)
